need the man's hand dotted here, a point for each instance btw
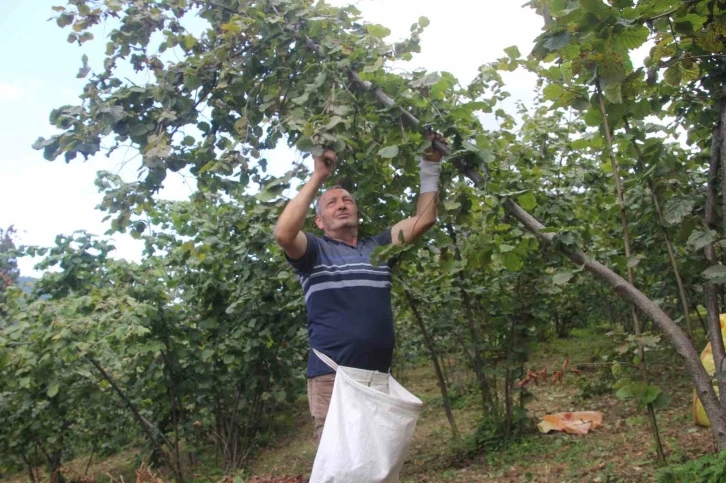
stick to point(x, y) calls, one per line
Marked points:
point(325, 164)
point(288, 232)
point(431, 153)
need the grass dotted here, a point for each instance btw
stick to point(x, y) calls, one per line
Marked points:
point(120, 467)
point(621, 451)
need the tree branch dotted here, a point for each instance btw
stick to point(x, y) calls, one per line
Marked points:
point(148, 428)
point(701, 379)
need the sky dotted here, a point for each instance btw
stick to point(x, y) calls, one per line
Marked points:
point(38, 70)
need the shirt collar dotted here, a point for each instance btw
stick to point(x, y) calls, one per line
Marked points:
point(326, 238)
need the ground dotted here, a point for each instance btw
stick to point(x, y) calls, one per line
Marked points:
point(621, 450)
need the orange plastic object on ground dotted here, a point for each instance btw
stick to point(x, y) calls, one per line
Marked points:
point(573, 423)
point(699, 415)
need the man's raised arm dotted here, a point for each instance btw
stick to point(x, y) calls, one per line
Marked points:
point(408, 230)
point(288, 232)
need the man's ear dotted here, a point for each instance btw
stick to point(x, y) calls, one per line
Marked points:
point(319, 221)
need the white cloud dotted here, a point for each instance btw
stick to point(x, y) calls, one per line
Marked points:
point(11, 92)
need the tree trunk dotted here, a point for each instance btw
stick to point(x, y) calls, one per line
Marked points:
point(508, 397)
point(445, 370)
point(628, 254)
point(486, 392)
point(31, 473)
point(674, 265)
point(435, 359)
point(722, 152)
point(148, 428)
point(669, 243)
point(55, 466)
point(90, 458)
point(712, 306)
point(704, 326)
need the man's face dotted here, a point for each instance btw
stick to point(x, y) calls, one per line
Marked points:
point(337, 210)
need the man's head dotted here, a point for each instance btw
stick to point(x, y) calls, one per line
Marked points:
point(336, 210)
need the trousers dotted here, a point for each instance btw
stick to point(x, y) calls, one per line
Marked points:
point(320, 389)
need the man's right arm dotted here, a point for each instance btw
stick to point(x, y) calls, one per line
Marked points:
point(288, 232)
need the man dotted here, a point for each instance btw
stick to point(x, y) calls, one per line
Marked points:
point(348, 300)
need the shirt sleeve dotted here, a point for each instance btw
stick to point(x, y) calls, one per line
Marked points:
point(306, 263)
point(383, 238)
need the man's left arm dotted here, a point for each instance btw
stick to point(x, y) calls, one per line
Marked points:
point(408, 230)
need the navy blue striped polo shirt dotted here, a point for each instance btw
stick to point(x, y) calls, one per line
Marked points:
point(348, 301)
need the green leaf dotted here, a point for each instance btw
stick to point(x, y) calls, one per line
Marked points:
point(662, 6)
point(320, 79)
point(570, 51)
point(512, 262)
point(423, 22)
point(334, 121)
point(556, 41)
point(207, 354)
point(631, 38)
point(305, 144)
point(452, 205)
point(597, 7)
point(689, 70)
point(430, 79)
point(676, 209)
point(612, 69)
point(388, 152)
point(650, 394)
point(699, 239)
point(192, 82)
point(189, 41)
point(719, 24)
point(64, 20)
point(527, 201)
point(614, 93)
point(513, 52)
point(553, 92)
point(625, 392)
point(233, 27)
point(716, 274)
point(562, 278)
point(378, 31)
point(53, 389)
point(690, 23)
point(593, 117)
point(138, 129)
point(559, 5)
point(342, 110)
point(662, 401)
point(302, 99)
point(672, 75)
point(648, 341)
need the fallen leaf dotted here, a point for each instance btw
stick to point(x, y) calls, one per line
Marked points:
point(571, 422)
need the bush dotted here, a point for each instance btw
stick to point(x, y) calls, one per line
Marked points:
point(706, 469)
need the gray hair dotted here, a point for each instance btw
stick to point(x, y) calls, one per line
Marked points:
point(316, 204)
